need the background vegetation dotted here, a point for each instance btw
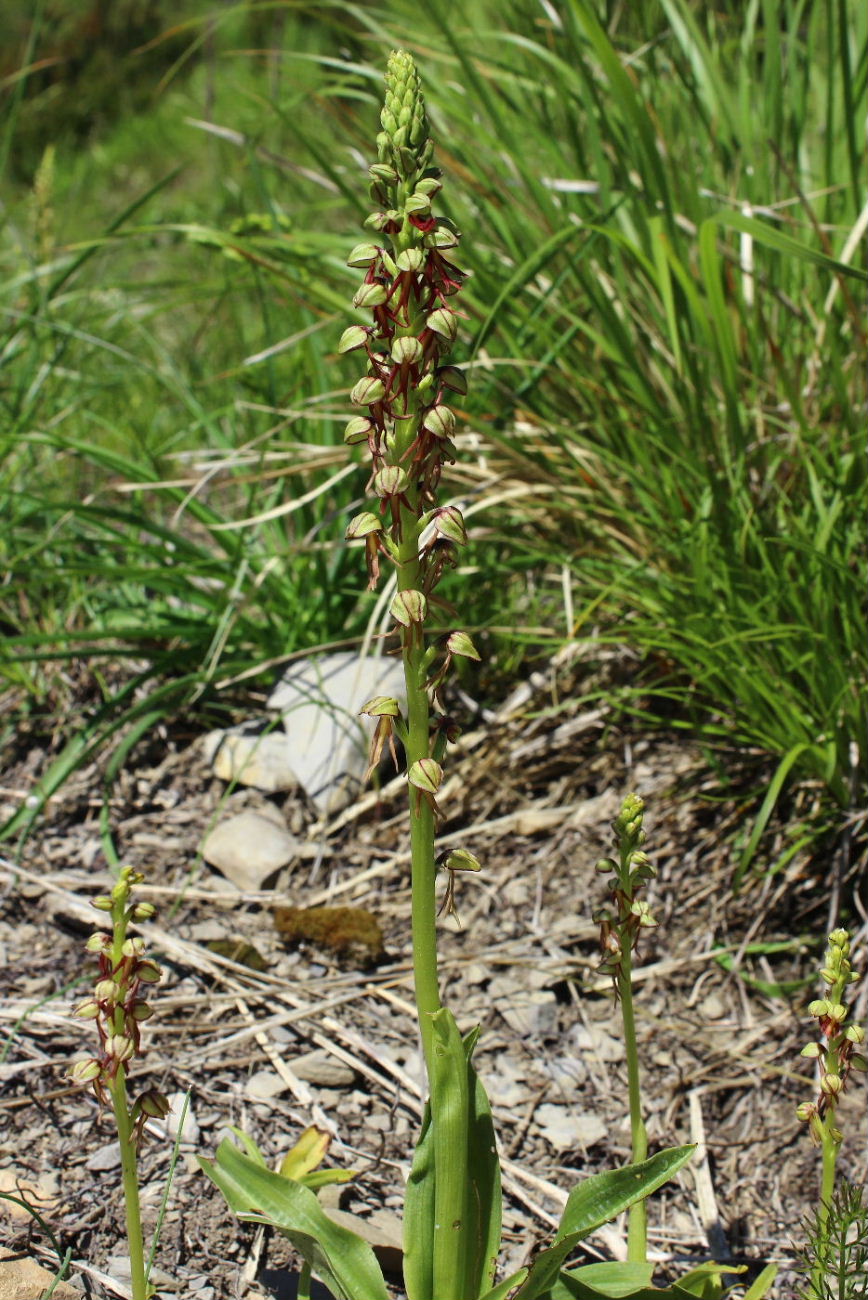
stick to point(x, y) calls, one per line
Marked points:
point(663, 212)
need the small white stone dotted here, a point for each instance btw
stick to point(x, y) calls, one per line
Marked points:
point(532, 1014)
point(322, 1068)
point(506, 1084)
point(249, 848)
point(563, 1129)
point(598, 1042)
point(190, 1130)
point(247, 758)
point(319, 700)
point(118, 1267)
point(712, 1007)
point(568, 1072)
point(105, 1159)
point(264, 1084)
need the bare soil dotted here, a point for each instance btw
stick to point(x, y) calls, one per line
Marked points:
point(532, 794)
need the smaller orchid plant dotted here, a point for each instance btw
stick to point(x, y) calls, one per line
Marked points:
point(621, 926)
point(834, 1050)
point(118, 1009)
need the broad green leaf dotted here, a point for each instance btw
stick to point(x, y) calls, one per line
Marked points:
point(456, 1148)
point(485, 1204)
point(601, 1197)
point(344, 1262)
point(568, 1287)
point(706, 1280)
point(450, 1114)
point(760, 1285)
point(617, 1281)
point(250, 1146)
point(327, 1178)
point(309, 1151)
point(596, 1200)
point(612, 1278)
point(419, 1217)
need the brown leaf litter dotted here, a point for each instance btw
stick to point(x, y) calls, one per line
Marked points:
point(531, 793)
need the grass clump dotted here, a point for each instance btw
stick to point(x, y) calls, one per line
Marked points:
point(664, 336)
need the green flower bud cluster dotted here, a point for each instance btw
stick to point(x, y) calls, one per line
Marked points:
point(404, 146)
point(622, 922)
point(835, 1053)
point(116, 1004)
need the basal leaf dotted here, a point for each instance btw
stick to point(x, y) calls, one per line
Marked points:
point(344, 1262)
point(594, 1202)
point(601, 1197)
point(419, 1217)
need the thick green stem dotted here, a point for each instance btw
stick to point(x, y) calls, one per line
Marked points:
point(637, 1220)
point(409, 574)
point(827, 1189)
point(130, 1176)
point(830, 1147)
point(124, 1126)
point(423, 869)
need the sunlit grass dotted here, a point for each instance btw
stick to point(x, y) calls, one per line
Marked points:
point(663, 328)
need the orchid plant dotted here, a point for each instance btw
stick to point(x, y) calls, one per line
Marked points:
point(453, 1205)
point(834, 1050)
point(117, 1007)
point(452, 1213)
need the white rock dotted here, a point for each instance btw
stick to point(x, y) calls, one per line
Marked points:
point(118, 1267)
point(569, 1072)
point(506, 1083)
point(249, 848)
point(105, 1159)
point(23, 1279)
point(243, 756)
point(599, 1042)
point(190, 1130)
point(319, 701)
point(564, 1129)
point(532, 1014)
point(264, 1084)
point(323, 1068)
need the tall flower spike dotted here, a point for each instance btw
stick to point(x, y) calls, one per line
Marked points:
point(408, 290)
point(835, 1052)
point(116, 1004)
point(835, 1055)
